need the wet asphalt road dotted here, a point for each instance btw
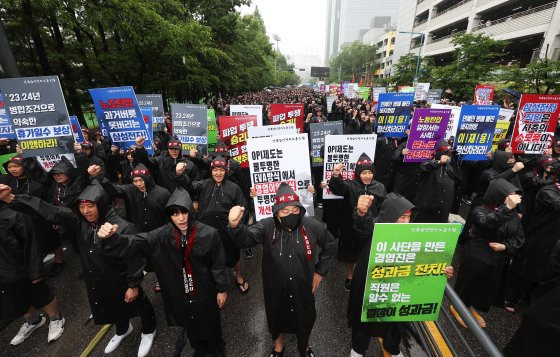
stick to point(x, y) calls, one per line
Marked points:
point(243, 321)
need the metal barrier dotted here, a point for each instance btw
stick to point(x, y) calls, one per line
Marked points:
point(425, 337)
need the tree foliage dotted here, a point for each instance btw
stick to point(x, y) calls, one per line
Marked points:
point(354, 59)
point(187, 50)
point(405, 70)
point(541, 77)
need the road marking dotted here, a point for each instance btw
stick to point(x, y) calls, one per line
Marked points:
point(442, 345)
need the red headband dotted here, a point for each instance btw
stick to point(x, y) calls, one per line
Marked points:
point(364, 162)
point(221, 149)
point(86, 201)
point(140, 172)
point(286, 198)
point(174, 145)
point(16, 160)
point(547, 161)
point(444, 148)
point(87, 145)
point(217, 163)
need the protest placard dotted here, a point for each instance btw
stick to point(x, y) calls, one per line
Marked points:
point(405, 279)
point(212, 128)
point(275, 160)
point(453, 122)
point(477, 124)
point(330, 101)
point(426, 131)
point(148, 116)
point(483, 94)
point(156, 102)
point(272, 130)
point(421, 91)
point(434, 96)
point(363, 92)
point(243, 110)
point(77, 129)
point(287, 113)
point(317, 132)
point(535, 124)
point(393, 114)
point(118, 110)
point(233, 132)
point(6, 129)
point(38, 115)
point(345, 149)
point(190, 124)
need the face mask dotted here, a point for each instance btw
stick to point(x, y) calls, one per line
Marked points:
point(290, 221)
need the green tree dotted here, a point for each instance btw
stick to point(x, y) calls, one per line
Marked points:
point(541, 77)
point(475, 58)
point(405, 70)
point(353, 59)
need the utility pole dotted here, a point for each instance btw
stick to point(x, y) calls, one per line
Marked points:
point(419, 52)
point(277, 39)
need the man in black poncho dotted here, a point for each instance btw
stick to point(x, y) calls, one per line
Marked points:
point(113, 284)
point(292, 266)
point(189, 261)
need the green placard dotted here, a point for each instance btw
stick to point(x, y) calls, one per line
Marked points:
point(405, 280)
point(211, 127)
point(363, 92)
point(3, 159)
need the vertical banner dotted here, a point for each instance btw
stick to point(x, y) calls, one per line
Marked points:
point(321, 86)
point(190, 125)
point(345, 149)
point(405, 279)
point(212, 128)
point(421, 91)
point(272, 130)
point(276, 160)
point(453, 119)
point(242, 110)
point(434, 96)
point(376, 91)
point(156, 102)
point(317, 134)
point(537, 118)
point(477, 124)
point(38, 114)
point(287, 113)
point(6, 129)
point(363, 92)
point(426, 131)
point(393, 114)
point(330, 101)
point(233, 131)
point(118, 109)
point(483, 94)
point(77, 129)
point(148, 116)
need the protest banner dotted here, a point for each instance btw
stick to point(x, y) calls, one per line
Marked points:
point(421, 91)
point(483, 94)
point(475, 131)
point(212, 128)
point(276, 160)
point(345, 149)
point(272, 130)
point(242, 110)
point(376, 91)
point(148, 116)
point(317, 132)
point(333, 89)
point(233, 132)
point(321, 86)
point(287, 113)
point(426, 131)
point(77, 129)
point(351, 90)
point(6, 129)
point(330, 101)
point(453, 119)
point(393, 114)
point(38, 114)
point(434, 96)
point(118, 109)
point(156, 102)
point(190, 125)
point(363, 92)
point(405, 279)
point(535, 124)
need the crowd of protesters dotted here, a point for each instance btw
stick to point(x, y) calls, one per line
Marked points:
point(186, 217)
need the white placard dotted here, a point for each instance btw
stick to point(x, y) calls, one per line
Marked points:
point(272, 130)
point(48, 161)
point(345, 149)
point(453, 118)
point(239, 109)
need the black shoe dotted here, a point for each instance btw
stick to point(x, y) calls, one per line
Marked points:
point(248, 253)
point(308, 353)
point(347, 284)
point(56, 269)
point(276, 354)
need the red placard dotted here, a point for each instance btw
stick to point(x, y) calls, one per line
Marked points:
point(484, 94)
point(287, 113)
point(535, 124)
point(233, 131)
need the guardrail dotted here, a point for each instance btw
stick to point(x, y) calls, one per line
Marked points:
point(484, 24)
point(461, 3)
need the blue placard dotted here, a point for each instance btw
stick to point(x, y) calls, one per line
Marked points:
point(77, 129)
point(475, 131)
point(148, 116)
point(119, 116)
point(6, 128)
point(394, 113)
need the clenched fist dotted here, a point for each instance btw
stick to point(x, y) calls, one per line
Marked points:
point(180, 168)
point(364, 203)
point(193, 153)
point(337, 169)
point(140, 141)
point(518, 166)
point(235, 215)
point(107, 230)
point(94, 170)
point(77, 148)
point(443, 159)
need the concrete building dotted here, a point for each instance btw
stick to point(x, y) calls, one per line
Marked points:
point(531, 26)
point(385, 43)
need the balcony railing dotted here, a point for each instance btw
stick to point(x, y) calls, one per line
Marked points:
point(451, 8)
point(523, 14)
point(441, 43)
point(421, 27)
point(454, 13)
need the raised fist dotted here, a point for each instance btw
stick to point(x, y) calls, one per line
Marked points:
point(518, 166)
point(337, 169)
point(364, 203)
point(180, 168)
point(140, 141)
point(107, 230)
point(235, 215)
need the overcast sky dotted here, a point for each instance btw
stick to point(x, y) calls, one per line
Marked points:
point(299, 23)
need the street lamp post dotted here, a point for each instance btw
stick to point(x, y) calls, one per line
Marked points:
point(277, 39)
point(419, 51)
